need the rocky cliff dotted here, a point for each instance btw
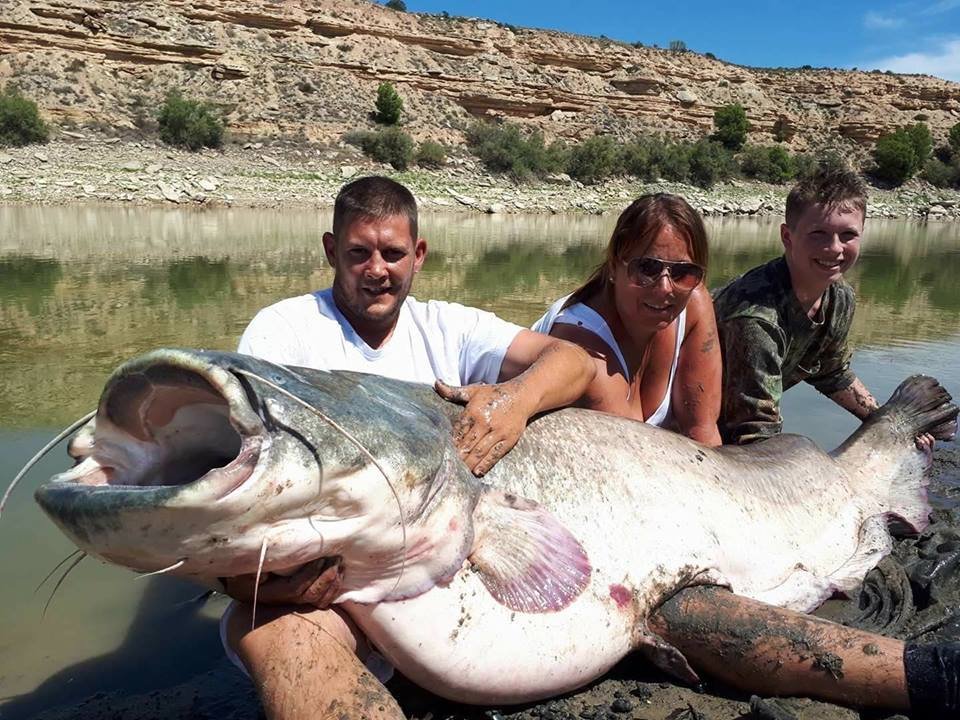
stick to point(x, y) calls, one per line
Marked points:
point(310, 68)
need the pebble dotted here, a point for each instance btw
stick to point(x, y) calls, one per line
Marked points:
point(621, 705)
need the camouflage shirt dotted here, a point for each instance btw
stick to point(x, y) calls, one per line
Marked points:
point(769, 345)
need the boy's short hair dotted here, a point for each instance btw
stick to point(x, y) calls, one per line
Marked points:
point(830, 186)
point(374, 198)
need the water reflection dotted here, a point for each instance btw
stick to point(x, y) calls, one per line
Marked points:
point(83, 288)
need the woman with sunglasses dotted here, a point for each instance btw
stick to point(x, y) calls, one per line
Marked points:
point(647, 320)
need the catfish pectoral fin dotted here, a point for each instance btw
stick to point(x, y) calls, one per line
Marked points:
point(526, 559)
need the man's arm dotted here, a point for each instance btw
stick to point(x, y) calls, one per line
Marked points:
point(538, 373)
point(752, 380)
point(855, 399)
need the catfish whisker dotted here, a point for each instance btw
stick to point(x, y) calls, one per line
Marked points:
point(43, 451)
point(59, 583)
point(178, 563)
point(59, 565)
point(343, 431)
point(256, 586)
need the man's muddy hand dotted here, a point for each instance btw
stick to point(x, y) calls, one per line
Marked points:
point(317, 583)
point(491, 424)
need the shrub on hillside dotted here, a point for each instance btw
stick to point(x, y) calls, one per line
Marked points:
point(771, 164)
point(505, 148)
point(922, 141)
point(941, 174)
point(953, 138)
point(431, 154)
point(392, 146)
point(20, 121)
point(710, 163)
point(896, 156)
point(389, 105)
point(731, 126)
point(593, 160)
point(189, 123)
point(398, 5)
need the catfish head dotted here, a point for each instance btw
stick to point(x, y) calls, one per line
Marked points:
point(212, 465)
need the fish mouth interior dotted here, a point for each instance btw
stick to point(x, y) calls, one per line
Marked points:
point(169, 425)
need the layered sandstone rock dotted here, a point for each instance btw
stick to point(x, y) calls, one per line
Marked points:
point(311, 68)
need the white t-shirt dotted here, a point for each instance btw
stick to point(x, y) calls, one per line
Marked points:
point(433, 340)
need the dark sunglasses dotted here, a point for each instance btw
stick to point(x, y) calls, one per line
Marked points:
point(645, 271)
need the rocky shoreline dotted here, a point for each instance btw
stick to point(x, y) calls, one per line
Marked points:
point(88, 168)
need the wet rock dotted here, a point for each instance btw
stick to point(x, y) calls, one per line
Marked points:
point(621, 705)
point(769, 709)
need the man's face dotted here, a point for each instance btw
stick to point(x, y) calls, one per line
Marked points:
point(824, 244)
point(374, 262)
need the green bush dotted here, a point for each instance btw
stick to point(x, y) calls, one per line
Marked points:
point(941, 174)
point(431, 154)
point(953, 138)
point(191, 123)
point(922, 141)
point(398, 5)
point(770, 164)
point(896, 156)
point(391, 145)
point(505, 148)
point(593, 160)
point(389, 105)
point(20, 121)
point(710, 163)
point(731, 126)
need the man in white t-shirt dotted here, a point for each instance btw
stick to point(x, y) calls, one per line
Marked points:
point(503, 373)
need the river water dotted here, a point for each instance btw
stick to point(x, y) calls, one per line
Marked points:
point(82, 289)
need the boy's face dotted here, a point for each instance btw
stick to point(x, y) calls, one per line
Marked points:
point(374, 263)
point(823, 245)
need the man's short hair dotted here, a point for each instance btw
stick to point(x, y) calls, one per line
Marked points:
point(373, 198)
point(830, 186)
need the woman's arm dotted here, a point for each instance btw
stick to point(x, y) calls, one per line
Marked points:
point(698, 382)
point(609, 389)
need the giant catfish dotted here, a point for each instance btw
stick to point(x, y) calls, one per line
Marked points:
point(527, 584)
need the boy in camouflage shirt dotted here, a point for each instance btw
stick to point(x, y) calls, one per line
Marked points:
point(788, 320)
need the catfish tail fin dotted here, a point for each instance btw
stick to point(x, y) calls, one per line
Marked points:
point(882, 459)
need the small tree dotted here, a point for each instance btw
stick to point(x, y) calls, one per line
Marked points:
point(398, 5)
point(896, 157)
point(20, 121)
point(731, 126)
point(389, 105)
point(189, 122)
point(921, 140)
point(677, 46)
point(953, 138)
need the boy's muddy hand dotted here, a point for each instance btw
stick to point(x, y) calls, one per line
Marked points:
point(491, 423)
point(317, 583)
point(925, 443)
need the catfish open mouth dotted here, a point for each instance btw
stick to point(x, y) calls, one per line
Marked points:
point(173, 422)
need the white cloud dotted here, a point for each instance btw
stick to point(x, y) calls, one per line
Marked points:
point(940, 7)
point(876, 21)
point(943, 61)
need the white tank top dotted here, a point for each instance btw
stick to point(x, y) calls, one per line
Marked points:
point(586, 317)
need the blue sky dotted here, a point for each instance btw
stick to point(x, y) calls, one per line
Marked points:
point(908, 36)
